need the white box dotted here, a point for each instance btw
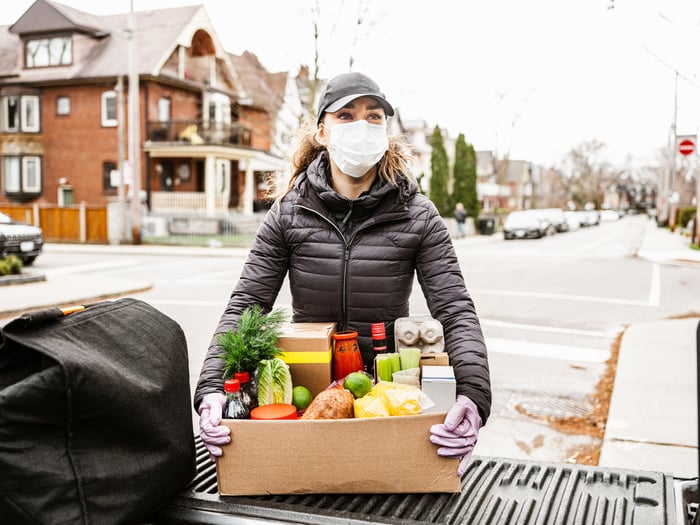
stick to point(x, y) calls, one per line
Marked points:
point(438, 382)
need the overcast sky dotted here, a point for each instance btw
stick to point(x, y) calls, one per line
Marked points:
point(531, 78)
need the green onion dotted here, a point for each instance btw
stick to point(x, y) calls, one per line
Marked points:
point(410, 357)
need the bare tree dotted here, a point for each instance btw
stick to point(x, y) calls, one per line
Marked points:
point(587, 174)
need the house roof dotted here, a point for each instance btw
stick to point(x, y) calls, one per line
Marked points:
point(100, 43)
point(265, 90)
point(46, 17)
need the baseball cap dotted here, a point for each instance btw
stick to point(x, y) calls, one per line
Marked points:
point(345, 88)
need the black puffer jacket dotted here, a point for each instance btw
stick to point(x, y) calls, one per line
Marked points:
point(354, 262)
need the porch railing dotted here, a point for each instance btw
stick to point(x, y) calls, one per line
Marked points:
point(189, 201)
point(198, 132)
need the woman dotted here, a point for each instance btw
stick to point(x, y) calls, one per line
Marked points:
point(351, 230)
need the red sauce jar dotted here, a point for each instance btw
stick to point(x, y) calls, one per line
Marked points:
point(346, 355)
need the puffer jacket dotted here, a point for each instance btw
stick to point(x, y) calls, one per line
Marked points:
point(354, 262)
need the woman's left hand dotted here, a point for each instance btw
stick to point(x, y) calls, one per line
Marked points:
point(457, 436)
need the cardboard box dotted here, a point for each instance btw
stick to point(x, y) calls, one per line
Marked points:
point(308, 349)
point(434, 359)
point(438, 382)
point(384, 455)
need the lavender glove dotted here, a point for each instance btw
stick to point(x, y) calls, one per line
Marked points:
point(213, 434)
point(457, 436)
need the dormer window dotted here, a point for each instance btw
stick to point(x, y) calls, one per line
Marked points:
point(46, 52)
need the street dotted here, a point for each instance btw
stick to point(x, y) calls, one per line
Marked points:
point(551, 310)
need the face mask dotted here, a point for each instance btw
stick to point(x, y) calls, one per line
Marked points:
point(357, 146)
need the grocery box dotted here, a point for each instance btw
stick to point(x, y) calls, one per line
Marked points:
point(308, 348)
point(438, 383)
point(382, 455)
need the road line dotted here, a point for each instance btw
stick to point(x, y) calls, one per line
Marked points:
point(550, 329)
point(546, 350)
point(80, 268)
point(565, 297)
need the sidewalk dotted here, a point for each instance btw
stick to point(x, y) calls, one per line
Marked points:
point(653, 417)
point(652, 422)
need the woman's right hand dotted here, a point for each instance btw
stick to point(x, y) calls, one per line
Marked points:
point(212, 432)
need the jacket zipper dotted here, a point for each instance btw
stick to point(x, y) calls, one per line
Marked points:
point(346, 259)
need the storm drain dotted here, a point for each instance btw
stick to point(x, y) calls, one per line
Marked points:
point(558, 408)
point(495, 491)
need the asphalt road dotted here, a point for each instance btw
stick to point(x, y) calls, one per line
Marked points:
point(550, 308)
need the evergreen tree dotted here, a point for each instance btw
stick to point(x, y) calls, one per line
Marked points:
point(439, 173)
point(471, 199)
point(459, 173)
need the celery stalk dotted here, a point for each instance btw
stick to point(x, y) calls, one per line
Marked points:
point(384, 368)
point(410, 358)
point(395, 362)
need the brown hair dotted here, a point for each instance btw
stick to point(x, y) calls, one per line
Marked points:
point(394, 163)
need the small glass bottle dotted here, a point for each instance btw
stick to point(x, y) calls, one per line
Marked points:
point(249, 393)
point(235, 407)
point(379, 338)
point(346, 355)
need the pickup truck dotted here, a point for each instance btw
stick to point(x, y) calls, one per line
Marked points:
point(497, 491)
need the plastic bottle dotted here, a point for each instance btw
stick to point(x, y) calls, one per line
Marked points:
point(379, 338)
point(235, 407)
point(249, 392)
point(346, 355)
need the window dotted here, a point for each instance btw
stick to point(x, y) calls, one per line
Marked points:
point(30, 113)
point(109, 108)
point(10, 113)
point(45, 52)
point(63, 106)
point(21, 175)
point(164, 109)
point(108, 184)
point(20, 113)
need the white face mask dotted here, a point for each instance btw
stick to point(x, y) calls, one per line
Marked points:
point(357, 146)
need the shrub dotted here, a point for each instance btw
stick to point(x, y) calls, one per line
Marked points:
point(684, 216)
point(10, 265)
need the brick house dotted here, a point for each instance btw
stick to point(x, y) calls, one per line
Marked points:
point(204, 139)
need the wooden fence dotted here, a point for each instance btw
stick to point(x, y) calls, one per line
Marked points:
point(78, 223)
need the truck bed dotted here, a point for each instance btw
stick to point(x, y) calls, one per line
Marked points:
point(497, 491)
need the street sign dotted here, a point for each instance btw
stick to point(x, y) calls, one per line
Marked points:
point(686, 146)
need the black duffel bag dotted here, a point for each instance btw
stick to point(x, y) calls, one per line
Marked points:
point(95, 414)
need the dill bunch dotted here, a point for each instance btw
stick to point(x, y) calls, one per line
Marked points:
point(254, 339)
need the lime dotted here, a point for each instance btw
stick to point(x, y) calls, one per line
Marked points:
point(301, 397)
point(358, 383)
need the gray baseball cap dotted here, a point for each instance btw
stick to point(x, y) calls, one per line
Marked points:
point(345, 88)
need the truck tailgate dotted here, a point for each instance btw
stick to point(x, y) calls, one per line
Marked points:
point(497, 491)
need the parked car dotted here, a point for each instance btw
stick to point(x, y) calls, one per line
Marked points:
point(555, 216)
point(524, 224)
point(589, 217)
point(574, 220)
point(22, 240)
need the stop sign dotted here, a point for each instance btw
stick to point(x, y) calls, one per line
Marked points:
point(686, 147)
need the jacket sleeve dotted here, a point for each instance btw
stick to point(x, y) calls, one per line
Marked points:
point(442, 282)
point(260, 282)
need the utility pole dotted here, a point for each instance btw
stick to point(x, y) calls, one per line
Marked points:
point(121, 190)
point(134, 134)
point(668, 188)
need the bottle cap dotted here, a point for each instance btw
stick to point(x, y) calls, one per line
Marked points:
point(243, 377)
point(378, 331)
point(232, 385)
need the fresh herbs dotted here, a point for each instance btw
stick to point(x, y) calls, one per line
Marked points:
point(254, 340)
